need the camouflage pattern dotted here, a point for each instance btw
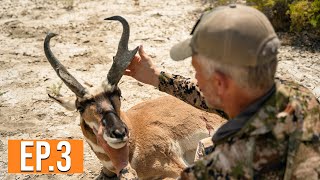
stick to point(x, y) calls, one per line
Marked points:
point(186, 90)
point(280, 141)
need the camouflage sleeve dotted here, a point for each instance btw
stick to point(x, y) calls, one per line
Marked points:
point(306, 164)
point(128, 173)
point(303, 161)
point(186, 90)
point(202, 170)
point(222, 163)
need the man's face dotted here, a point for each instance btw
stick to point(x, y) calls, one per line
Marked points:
point(207, 84)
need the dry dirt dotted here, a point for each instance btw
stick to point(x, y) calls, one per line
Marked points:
point(86, 44)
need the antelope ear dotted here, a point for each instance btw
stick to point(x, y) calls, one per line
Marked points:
point(67, 102)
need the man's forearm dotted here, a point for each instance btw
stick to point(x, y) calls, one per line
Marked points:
point(184, 89)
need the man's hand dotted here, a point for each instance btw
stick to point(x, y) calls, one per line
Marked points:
point(143, 70)
point(118, 157)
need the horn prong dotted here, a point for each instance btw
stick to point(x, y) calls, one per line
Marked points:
point(123, 57)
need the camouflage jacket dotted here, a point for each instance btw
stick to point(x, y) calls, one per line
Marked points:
point(281, 140)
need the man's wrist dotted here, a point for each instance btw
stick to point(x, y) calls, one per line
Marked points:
point(155, 80)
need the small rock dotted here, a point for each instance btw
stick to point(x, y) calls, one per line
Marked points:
point(69, 114)
point(316, 91)
point(1, 146)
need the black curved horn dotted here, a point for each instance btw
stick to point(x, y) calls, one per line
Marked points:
point(123, 56)
point(61, 71)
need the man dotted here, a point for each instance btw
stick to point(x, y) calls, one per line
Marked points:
point(273, 130)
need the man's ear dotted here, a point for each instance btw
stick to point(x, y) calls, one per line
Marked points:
point(67, 102)
point(221, 83)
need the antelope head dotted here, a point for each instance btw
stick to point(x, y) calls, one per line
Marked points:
point(102, 106)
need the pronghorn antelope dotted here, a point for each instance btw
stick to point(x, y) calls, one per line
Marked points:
point(164, 132)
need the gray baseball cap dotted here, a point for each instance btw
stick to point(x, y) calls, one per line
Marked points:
point(234, 34)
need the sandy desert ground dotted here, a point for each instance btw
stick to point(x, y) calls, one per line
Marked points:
point(86, 45)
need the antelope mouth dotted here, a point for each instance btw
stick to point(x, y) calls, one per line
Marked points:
point(116, 143)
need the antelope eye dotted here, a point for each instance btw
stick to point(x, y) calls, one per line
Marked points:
point(80, 106)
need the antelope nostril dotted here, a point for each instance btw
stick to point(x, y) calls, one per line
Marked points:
point(119, 133)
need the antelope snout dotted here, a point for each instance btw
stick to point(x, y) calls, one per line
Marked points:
point(115, 132)
point(117, 138)
point(119, 133)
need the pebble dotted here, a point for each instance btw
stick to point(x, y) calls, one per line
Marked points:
point(316, 91)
